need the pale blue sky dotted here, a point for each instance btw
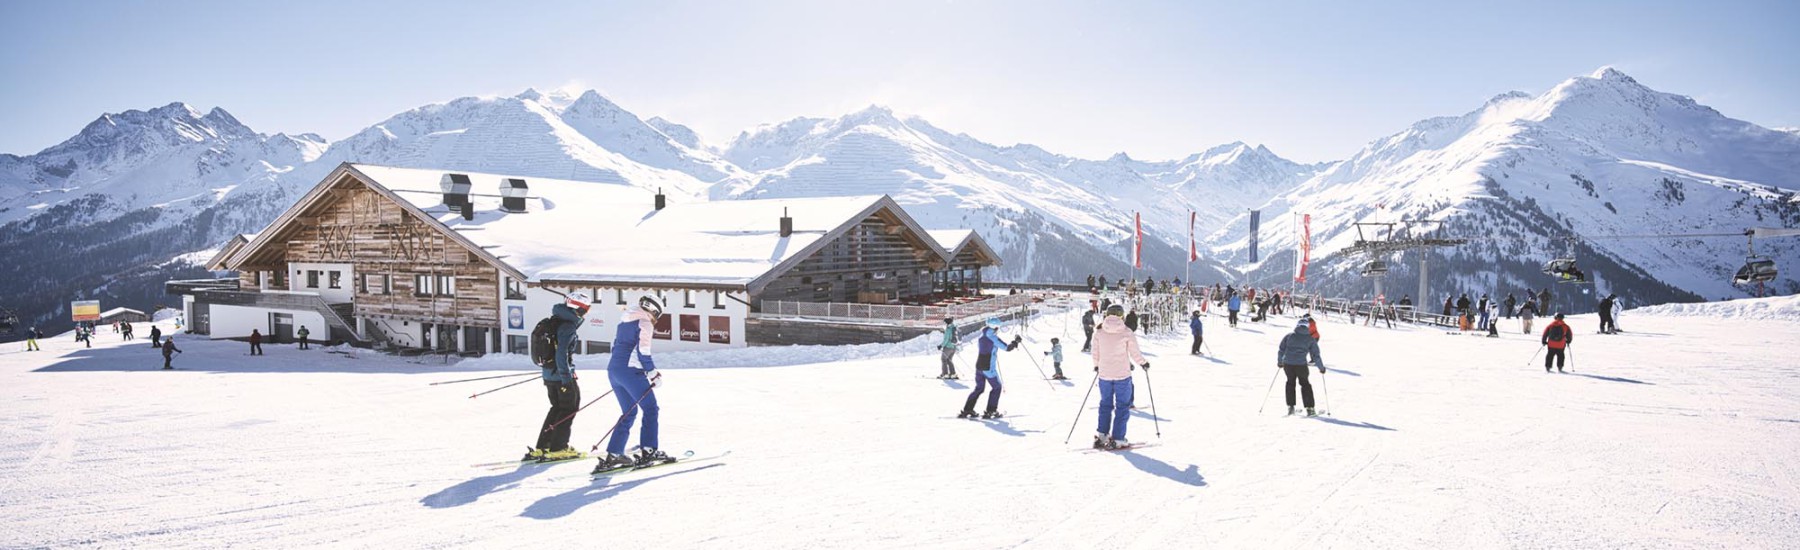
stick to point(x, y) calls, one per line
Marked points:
point(1312, 80)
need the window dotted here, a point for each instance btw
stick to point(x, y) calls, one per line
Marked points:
point(518, 343)
point(362, 284)
point(620, 293)
point(687, 298)
point(718, 300)
point(446, 285)
point(335, 279)
point(280, 279)
point(424, 285)
point(514, 289)
point(375, 284)
point(312, 279)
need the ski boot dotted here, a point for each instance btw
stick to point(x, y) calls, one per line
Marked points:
point(567, 453)
point(651, 457)
point(990, 415)
point(1116, 444)
point(1101, 441)
point(1290, 410)
point(532, 455)
point(613, 462)
point(1310, 413)
point(966, 414)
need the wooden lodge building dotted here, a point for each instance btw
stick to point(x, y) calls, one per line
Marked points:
point(415, 259)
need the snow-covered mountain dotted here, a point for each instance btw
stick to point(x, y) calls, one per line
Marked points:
point(1051, 217)
point(1599, 157)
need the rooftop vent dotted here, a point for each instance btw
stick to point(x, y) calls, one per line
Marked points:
point(512, 195)
point(661, 201)
point(456, 193)
point(787, 224)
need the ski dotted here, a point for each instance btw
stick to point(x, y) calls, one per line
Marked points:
point(525, 462)
point(1003, 416)
point(685, 458)
point(1131, 447)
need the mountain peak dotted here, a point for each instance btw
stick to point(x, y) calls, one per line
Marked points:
point(1609, 73)
point(530, 94)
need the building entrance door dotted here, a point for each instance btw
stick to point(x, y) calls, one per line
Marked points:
point(281, 327)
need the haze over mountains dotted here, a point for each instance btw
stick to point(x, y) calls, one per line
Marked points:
point(104, 213)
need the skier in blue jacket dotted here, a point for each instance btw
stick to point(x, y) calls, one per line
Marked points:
point(635, 388)
point(987, 370)
point(1296, 348)
point(559, 382)
point(1198, 329)
point(1232, 306)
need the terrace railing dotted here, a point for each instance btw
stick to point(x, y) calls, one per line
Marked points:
point(894, 314)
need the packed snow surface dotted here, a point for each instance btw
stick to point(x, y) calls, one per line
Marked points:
point(1679, 433)
point(1783, 308)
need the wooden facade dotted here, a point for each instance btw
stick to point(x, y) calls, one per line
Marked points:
point(878, 260)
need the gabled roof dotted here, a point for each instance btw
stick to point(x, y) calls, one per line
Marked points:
point(119, 310)
point(237, 242)
point(957, 241)
point(602, 234)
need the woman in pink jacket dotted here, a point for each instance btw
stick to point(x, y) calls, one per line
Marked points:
point(1115, 353)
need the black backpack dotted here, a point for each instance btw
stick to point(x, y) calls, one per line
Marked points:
point(543, 342)
point(1555, 334)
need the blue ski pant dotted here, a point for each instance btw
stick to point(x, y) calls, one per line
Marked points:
point(632, 387)
point(981, 384)
point(1115, 407)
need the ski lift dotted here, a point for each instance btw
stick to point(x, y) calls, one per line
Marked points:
point(1756, 270)
point(1374, 268)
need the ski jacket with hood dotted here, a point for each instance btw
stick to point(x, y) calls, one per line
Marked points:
point(1195, 325)
point(1297, 347)
point(1116, 349)
point(1235, 303)
point(1558, 335)
point(636, 329)
point(949, 337)
point(985, 361)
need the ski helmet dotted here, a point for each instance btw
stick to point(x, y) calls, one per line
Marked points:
point(948, 320)
point(650, 305)
point(993, 322)
point(1559, 316)
point(1115, 310)
point(579, 299)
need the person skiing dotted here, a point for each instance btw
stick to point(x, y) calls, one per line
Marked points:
point(302, 333)
point(1233, 304)
point(1292, 357)
point(1606, 314)
point(1090, 283)
point(1087, 328)
point(1544, 301)
point(130, 333)
point(947, 348)
point(1056, 357)
point(1617, 307)
point(169, 350)
point(1482, 323)
point(1512, 303)
point(1491, 317)
point(255, 342)
point(1557, 338)
point(31, 339)
point(1131, 320)
point(1115, 354)
point(1462, 305)
point(635, 388)
point(83, 335)
point(1102, 282)
point(1448, 306)
point(987, 370)
point(560, 384)
point(1198, 328)
point(1526, 313)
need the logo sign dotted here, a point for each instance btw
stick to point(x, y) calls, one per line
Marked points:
point(515, 317)
point(84, 310)
point(662, 328)
point(718, 330)
point(690, 328)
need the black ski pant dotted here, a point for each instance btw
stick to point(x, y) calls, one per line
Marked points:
point(256, 348)
point(1606, 322)
point(1197, 341)
point(565, 399)
point(166, 358)
point(1553, 354)
point(1088, 344)
point(1232, 318)
point(303, 342)
point(1298, 373)
point(981, 383)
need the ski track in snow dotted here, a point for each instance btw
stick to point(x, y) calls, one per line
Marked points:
point(1677, 434)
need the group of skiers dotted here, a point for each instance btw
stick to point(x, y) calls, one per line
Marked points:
point(633, 385)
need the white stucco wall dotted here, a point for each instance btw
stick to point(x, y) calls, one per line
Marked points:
point(603, 318)
point(346, 281)
point(238, 321)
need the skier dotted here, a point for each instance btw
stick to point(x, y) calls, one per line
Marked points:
point(31, 339)
point(83, 335)
point(635, 388)
point(1557, 337)
point(1198, 328)
point(1292, 357)
point(1090, 281)
point(255, 342)
point(987, 370)
point(1102, 282)
point(1512, 303)
point(1526, 313)
point(130, 333)
point(1131, 320)
point(1483, 323)
point(1543, 301)
point(1618, 307)
point(169, 350)
point(560, 384)
point(302, 334)
point(1115, 353)
point(1232, 306)
point(1606, 314)
point(1447, 306)
point(947, 371)
point(1087, 328)
point(1056, 357)
point(1462, 305)
point(1491, 317)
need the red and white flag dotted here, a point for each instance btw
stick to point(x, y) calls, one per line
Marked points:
point(1305, 255)
point(1193, 248)
point(1137, 242)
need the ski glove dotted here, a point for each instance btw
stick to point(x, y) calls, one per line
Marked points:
point(1146, 366)
point(1321, 369)
point(655, 378)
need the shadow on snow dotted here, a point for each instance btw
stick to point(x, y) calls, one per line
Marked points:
point(472, 490)
point(1613, 379)
point(562, 505)
point(1330, 420)
point(1185, 476)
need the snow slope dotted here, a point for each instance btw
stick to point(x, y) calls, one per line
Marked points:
point(1596, 156)
point(1677, 434)
point(1779, 308)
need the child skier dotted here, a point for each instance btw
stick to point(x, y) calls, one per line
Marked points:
point(1292, 356)
point(635, 387)
point(1198, 328)
point(1115, 353)
point(31, 340)
point(987, 370)
point(1056, 357)
point(1557, 338)
point(560, 385)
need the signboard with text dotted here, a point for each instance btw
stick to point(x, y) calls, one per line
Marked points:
point(718, 330)
point(84, 310)
point(690, 328)
point(662, 328)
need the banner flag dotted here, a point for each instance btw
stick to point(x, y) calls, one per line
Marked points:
point(1255, 221)
point(1137, 242)
point(1193, 247)
point(1305, 255)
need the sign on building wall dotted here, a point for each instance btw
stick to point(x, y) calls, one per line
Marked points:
point(690, 328)
point(515, 317)
point(84, 310)
point(718, 330)
point(662, 328)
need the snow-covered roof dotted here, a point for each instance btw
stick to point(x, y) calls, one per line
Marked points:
point(119, 310)
point(599, 233)
point(955, 241)
point(217, 263)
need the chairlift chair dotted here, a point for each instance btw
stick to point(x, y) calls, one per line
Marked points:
point(1374, 268)
point(1756, 270)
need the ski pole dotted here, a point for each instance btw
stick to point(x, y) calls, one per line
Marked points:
point(1534, 355)
point(486, 378)
point(615, 426)
point(502, 387)
point(553, 425)
point(1040, 367)
point(1571, 350)
point(1151, 388)
point(1265, 401)
point(1084, 400)
point(1325, 391)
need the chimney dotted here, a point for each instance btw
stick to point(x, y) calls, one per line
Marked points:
point(512, 195)
point(456, 192)
point(787, 224)
point(661, 201)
